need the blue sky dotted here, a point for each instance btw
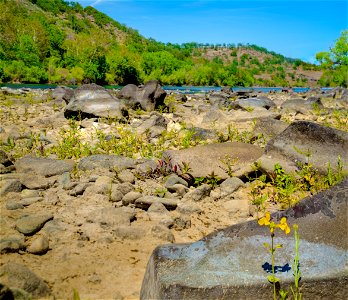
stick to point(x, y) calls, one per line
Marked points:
point(297, 29)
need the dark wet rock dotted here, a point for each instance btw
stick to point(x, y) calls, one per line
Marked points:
point(106, 162)
point(269, 127)
point(39, 245)
point(323, 143)
point(205, 159)
point(10, 185)
point(19, 276)
point(300, 105)
point(91, 100)
point(43, 166)
point(148, 97)
point(198, 193)
point(263, 102)
point(146, 201)
point(217, 267)
point(30, 224)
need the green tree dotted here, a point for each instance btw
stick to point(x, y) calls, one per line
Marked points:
point(335, 63)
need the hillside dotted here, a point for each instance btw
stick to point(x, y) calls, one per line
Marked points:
point(53, 41)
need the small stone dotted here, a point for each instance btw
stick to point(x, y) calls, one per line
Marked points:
point(163, 233)
point(116, 195)
point(30, 224)
point(79, 189)
point(10, 185)
point(130, 197)
point(126, 176)
point(39, 245)
point(230, 185)
point(11, 243)
point(26, 193)
point(188, 208)
point(13, 205)
point(199, 193)
point(31, 200)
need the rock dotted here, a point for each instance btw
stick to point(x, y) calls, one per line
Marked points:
point(205, 159)
point(182, 222)
point(26, 193)
point(301, 105)
point(116, 195)
point(172, 180)
point(214, 115)
point(157, 207)
point(4, 159)
point(20, 277)
point(104, 161)
point(155, 120)
point(263, 102)
point(79, 189)
point(62, 93)
point(188, 208)
point(30, 224)
point(6, 293)
point(230, 185)
point(323, 143)
point(30, 200)
point(228, 263)
point(128, 232)
point(126, 176)
point(11, 243)
point(10, 185)
point(130, 198)
point(91, 100)
point(43, 166)
point(148, 97)
point(163, 233)
point(198, 193)
point(36, 182)
point(110, 216)
point(146, 201)
point(39, 245)
point(269, 127)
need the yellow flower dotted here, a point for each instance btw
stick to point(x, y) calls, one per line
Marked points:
point(265, 220)
point(284, 226)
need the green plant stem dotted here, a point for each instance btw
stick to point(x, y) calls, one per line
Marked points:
point(273, 272)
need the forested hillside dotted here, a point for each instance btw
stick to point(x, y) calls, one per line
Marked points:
point(54, 41)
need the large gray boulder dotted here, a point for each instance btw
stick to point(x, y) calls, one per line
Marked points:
point(148, 97)
point(256, 103)
point(302, 106)
point(205, 159)
point(323, 143)
point(43, 166)
point(233, 264)
point(91, 100)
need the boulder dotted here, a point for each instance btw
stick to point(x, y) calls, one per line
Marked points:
point(148, 97)
point(300, 105)
point(146, 201)
point(43, 166)
point(323, 143)
point(232, 263)
point(91, 100)
point(263, 102)
point(205, 159)
point(17, 276)
point(269, 127)
point(105, 161)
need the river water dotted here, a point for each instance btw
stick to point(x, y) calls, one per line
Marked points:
point(179, 89)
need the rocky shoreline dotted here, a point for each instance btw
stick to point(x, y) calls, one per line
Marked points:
point(85, 202)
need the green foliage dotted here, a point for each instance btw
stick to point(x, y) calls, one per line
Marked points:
point(335, 63)
point(57, 41)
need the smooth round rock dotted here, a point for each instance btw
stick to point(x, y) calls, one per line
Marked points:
point(39, 245)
